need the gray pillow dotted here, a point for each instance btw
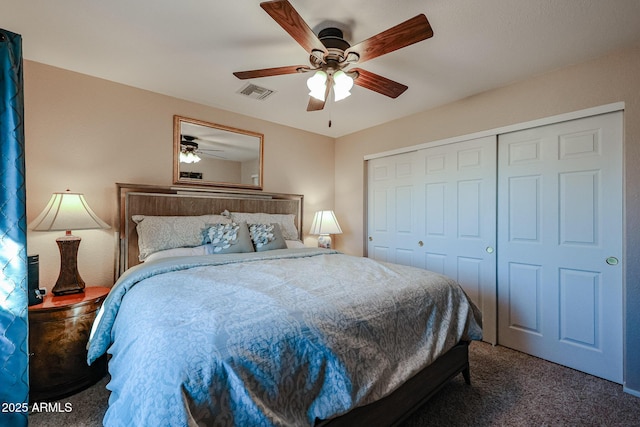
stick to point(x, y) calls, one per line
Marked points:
point(266, 237)
point(227, 238)
point(158, 233)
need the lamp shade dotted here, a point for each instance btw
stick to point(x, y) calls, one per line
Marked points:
point(67, 211)
point(325, 222)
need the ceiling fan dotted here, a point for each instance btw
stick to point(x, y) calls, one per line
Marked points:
point(331, 55)
point(189, 150)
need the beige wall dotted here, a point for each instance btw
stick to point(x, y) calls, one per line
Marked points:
point(602, 81)
point(215, 170)
point(86, 134)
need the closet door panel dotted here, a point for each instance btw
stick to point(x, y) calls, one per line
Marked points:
point(560, 243)
point(391, 203)
point(457, 229)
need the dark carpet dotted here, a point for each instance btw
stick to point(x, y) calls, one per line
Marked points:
point(508, 388)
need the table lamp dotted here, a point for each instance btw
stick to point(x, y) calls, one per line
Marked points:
point(324, 224)
point(68, 211)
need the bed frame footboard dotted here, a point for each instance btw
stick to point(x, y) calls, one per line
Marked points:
point(396, 407)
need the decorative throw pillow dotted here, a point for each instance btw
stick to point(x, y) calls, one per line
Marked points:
point(227, 238)
point(158, 233)
point(266, 237)
point(285, 221)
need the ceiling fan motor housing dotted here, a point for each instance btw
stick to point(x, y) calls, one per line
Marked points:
point(188, 144)
point(333, 39)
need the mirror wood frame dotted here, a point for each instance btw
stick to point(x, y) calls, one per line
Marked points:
point(177, 138)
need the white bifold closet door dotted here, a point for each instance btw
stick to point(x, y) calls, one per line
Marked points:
point(528, 222)
point(436, 209)
point(560, 243)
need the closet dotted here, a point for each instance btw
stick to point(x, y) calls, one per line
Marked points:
point(528, 221)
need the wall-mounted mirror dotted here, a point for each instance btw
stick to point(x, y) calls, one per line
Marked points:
point(211, 154)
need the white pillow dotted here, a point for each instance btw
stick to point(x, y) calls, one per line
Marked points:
point(295, 244)
point(198, 250)
point(285, 221)
point(158, 233)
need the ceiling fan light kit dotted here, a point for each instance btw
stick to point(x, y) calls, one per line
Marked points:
point(189, 157)
point(340, 81)
point(188, 151)
point(330, 55)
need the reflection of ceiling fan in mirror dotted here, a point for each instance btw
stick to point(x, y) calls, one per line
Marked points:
point(331, 55)
point(189, 150)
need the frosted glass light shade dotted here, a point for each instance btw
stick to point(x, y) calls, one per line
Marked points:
point(342, 86)
point(317, 85)
point(189, 157)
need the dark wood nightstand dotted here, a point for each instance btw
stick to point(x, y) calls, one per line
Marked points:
point(59, 330)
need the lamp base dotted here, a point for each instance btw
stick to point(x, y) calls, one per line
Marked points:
point(69, 280)
point(324, 241)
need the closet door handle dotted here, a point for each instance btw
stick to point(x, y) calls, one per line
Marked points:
point(370, 239)
point(489, 249)
point(420, 243)
point(612, 260)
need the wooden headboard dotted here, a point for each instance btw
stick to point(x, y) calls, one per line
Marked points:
point(184, 201)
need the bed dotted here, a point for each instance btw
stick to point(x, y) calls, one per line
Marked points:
point(277, 335)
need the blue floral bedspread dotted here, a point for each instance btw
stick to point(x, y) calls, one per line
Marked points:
point(283, 337)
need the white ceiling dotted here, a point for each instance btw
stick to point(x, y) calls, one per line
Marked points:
point(189, 48)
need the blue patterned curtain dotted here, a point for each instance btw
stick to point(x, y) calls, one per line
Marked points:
point(14, 359)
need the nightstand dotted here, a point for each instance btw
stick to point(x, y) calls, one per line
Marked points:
point(59, 330)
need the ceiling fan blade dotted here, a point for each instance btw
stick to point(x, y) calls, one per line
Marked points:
point(289, 19)
point(376, 83)
point(316, 104)
point(402, 35)
point(268, 72)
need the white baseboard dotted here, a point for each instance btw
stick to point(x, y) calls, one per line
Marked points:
point(632, 392)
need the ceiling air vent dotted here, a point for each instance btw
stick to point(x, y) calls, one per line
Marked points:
point(255, 92)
